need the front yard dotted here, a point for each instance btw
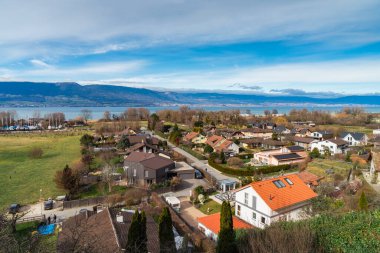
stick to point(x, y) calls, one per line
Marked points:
point(211, 206)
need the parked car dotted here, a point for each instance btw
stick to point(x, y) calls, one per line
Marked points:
point(14, 208)
point(198, 174)
point(48, 205)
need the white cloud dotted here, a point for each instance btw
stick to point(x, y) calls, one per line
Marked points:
point(39, 63)
point(96, 25)
point(345, 76)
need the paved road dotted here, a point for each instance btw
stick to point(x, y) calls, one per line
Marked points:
point(215, 173)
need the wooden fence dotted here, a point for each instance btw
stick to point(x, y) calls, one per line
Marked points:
point(33, 218)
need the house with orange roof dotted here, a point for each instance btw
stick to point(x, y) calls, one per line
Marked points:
point(282, 198)
point(210, 225)
point(220, 144)
point(195, 138)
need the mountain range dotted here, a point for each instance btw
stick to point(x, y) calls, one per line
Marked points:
point(16, 94)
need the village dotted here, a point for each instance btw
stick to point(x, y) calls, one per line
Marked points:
point(269, 170)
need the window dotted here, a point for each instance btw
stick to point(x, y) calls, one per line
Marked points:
point(289, 181)
point(134, 172)
point(263, 219)
point(246, 198)
point(238, 210)
point(254, 215)
point(279, 183)
point(254, 202)
point(146, 173)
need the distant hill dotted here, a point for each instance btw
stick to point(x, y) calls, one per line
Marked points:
point(13, 94)
point(73, 94)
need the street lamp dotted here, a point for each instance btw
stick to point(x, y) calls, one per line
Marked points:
point(41, 199)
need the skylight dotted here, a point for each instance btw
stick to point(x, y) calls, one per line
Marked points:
point(289, 181)
point(279, 184)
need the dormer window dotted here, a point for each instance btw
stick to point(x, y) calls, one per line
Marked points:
point(279, 184)
point(289, 181)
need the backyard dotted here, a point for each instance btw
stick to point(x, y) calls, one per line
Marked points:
point(22, 177)
point(339, 167)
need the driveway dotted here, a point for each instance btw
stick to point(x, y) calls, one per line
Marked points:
point(189, 213)
point(195, 161)
point(37, 209)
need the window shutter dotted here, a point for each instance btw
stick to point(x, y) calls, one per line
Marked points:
point(254, 202)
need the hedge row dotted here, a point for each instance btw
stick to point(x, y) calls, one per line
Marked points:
point(249, 172)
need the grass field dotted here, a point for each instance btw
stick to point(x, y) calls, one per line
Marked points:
point(360, 129)
point(214, 207)
point(22, 177)
point(319, 167)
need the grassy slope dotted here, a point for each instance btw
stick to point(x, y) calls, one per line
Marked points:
point(319, 166)
point(21, 177)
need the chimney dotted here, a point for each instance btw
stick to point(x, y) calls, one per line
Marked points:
point(119, 218)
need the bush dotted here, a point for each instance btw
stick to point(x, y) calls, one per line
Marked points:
point(36, 153)
point(235, 161)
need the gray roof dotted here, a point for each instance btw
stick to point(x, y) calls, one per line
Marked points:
point(295, 148)
point(157, 162)
point(355, 135)
point(290, 156)
point(338, 141)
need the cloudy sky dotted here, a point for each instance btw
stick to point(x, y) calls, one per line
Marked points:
point(279, 47)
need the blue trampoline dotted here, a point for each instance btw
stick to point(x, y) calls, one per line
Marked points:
point(46, 230)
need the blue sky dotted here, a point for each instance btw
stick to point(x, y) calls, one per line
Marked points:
point(277, 47)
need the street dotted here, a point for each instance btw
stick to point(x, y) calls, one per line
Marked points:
point(215, 173)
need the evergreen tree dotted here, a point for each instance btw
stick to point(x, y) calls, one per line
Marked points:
point(87, 140)
point(222, 157)
point(124, 142)
point(134, 232)
point(67, 180)
point(226, 237)
point(165, 231)
point(363, 204)
point(143, 236)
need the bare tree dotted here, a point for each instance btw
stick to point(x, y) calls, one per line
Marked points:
point(86, 114)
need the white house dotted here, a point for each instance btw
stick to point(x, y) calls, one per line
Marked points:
point(321, 135)
point(278, 199)
point(335, 146)
point(354, 138)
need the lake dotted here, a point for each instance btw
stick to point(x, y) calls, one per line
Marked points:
point(97, 112)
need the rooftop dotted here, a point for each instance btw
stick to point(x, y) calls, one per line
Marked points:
point(294, 191)
point(212, 222)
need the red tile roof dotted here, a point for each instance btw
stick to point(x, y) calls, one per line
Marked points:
point(214, 140)
point(309, 178)
point(212, 222)
point(191, 136)
point(278, 198)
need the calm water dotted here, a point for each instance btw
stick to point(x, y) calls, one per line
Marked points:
point(97, 112)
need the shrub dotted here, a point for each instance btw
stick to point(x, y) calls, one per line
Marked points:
point(235, 161)
point(36, 153)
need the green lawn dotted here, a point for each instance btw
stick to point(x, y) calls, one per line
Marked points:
point(319, 166)
point(214, 207)
point(46, 243)
point(22, 177)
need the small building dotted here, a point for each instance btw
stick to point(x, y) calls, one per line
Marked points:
point(277, 199)
point(322, 135)
point(226, 185)
point(210, 225)
point(304, 142)
point(183, 171)
point(256, 132)
point(281, 156)
point(355, 138)
point(309, 178)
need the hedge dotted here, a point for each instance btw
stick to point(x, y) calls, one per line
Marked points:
point(245, 156)
point(249, 172)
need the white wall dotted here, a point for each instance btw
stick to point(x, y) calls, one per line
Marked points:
point(294, 212)
point(207, 232)
point(322, 145)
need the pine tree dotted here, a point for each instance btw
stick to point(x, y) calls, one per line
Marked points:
point(165, 231)
point(143, 236)
point(363, 204)
point(226, 237)
point(134, 234)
